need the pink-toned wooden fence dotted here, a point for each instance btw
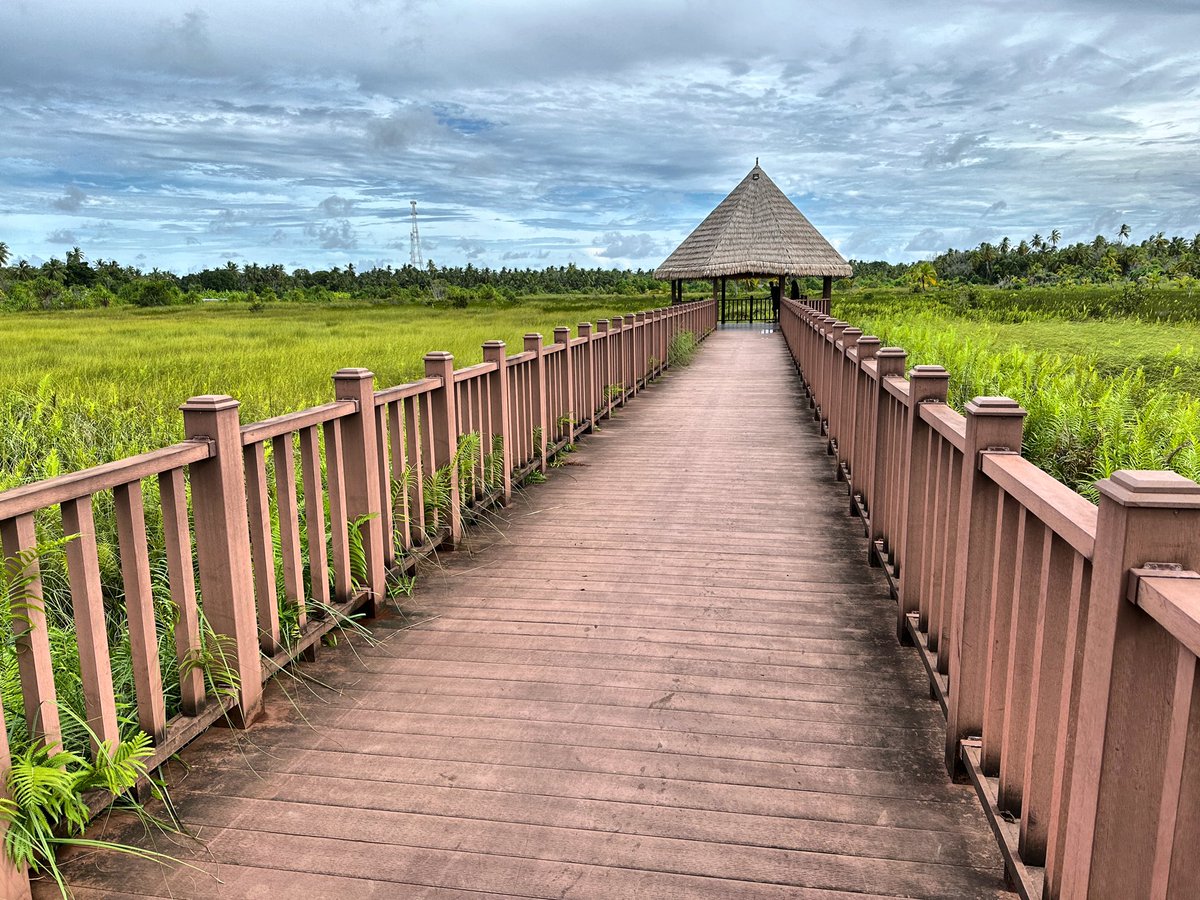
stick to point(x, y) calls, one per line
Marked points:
point(376, 456)
point(1060, 638)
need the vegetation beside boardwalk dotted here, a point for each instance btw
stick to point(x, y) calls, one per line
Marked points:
point(1104, 391)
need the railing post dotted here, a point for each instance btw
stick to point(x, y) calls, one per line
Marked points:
point(562, 335)
point(443, 442)
point(533, 344)
point(223, 545)
point(926, 384)
point(993, 423)
point(361, 465)
point(1116, 844)
point(889, 361)
point(587, 391)
point(494, 351)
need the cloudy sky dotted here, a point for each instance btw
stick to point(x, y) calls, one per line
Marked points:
point(595, 131)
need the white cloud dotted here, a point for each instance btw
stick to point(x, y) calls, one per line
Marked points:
point(531, 131)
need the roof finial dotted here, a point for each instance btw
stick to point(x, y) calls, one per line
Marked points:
point(756, 162)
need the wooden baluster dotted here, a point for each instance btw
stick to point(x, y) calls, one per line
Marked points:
point(139, 607)
point(262, 549)
point(992, 423)
point(537, 392)
point(314, 515)
point(562, 336)
point(1033, 548)
point(586, 403)
point(1062, 578)
point(339, 519)
point(889, 361)
point(1009, 516)
point(289, 525)
point(177, 541)
point(443, 442)
point(494, 351)
point(414, 444)
point(14, 879)
point(91, 633)
point(362, 478)
point(926, 385)
point(222, 546)
point(384, 449)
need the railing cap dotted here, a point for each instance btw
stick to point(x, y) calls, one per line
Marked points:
point(1151, 489)
point(438, 355)
point(210, 403)
point(353, 374)
point(927, 371)
point(494, 345)
point(994, 406)
point(892, 353)
point(869, 339)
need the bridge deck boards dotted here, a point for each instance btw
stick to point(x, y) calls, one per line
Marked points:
point(664, 673)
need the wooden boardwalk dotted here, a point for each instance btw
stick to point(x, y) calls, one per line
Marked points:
point(666, 673)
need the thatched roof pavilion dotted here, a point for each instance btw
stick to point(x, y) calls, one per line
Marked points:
point(755, 232)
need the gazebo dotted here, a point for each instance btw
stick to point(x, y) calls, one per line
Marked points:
point(755, 232)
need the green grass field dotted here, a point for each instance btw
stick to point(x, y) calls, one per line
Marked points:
point(86, 387)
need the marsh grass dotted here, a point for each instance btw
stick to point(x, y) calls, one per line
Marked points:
point(1101, 395)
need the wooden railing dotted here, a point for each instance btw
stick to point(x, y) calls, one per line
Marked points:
point(1060, 638)
point(367, 464)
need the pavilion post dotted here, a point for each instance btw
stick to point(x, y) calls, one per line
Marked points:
point(827, 287)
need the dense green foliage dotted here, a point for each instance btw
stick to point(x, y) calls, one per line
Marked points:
point(1102, 395)
point(1042, 261)
point(80, 284)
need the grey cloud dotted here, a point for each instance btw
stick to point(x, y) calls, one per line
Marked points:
point(952, 152)
point(192, 241)
point(335, 207)
point(614, 245)
point(62, 236)
point(71, 200)
point(926, 240)
point(998, 206)
point(471, 249)
point(186, 45)
point(333, 237)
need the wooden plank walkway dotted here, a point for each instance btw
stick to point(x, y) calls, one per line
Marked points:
point(666, 673)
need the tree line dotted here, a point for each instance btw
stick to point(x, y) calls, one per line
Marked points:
point(1047, 261)
point(77, 282)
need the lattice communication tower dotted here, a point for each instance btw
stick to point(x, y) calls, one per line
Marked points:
point(414, 240)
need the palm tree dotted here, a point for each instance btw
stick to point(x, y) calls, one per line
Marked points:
point(4, 254)
point(1005, 246)
point(1055, 237)
point(1123, 232)
point(1037, 242)
point(74, 256)
point(923, 276)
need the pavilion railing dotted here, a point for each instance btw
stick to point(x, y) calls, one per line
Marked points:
point(297, 521)
point(1060, 638)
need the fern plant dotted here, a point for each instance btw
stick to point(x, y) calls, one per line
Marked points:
point(46, 806)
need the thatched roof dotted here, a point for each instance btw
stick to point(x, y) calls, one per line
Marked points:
point(756, 230)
